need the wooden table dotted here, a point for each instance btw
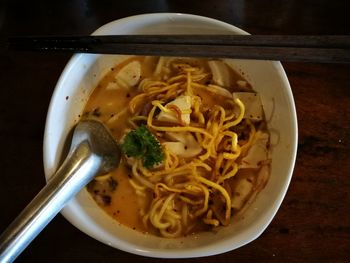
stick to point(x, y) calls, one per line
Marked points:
point(313, 223)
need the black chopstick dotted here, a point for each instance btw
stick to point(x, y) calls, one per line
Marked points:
point(328, 48)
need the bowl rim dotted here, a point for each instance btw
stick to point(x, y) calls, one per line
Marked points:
point(208, 250)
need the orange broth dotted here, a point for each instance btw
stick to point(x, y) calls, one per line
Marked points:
point(122, 203)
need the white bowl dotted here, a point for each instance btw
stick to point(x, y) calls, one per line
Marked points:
point(82, 74)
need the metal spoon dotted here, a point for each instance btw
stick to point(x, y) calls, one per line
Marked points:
point(93, 152)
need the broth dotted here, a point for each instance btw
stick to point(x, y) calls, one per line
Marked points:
point(110, 103)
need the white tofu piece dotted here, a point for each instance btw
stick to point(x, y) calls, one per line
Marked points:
point(127, 77)
point(252, 103)
point(184, 104)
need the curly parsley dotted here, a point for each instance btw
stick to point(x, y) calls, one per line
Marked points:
point(142, 144)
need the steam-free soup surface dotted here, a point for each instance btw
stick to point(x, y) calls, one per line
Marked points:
point(124, 100)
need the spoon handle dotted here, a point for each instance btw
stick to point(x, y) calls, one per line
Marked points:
point(78, 169)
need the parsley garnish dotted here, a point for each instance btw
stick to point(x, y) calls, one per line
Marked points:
point(142, 144)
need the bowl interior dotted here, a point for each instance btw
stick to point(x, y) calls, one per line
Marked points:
point(82, 74)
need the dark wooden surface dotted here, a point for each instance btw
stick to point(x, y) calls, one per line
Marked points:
point(313, 223)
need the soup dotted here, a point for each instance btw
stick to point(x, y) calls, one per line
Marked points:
point(195, 144)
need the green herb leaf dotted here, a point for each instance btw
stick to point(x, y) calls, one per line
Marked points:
point(142, 144)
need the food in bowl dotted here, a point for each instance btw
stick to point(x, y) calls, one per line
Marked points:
point(195, 143)
point(84, 72)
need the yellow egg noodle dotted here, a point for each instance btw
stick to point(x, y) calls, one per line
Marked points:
point(188, 189)
point(214, 144)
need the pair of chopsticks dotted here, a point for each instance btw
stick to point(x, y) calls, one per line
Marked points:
point(328, 48)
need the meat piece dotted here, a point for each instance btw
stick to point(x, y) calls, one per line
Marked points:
point(184, 145)
point(252, 103)
point(183, 103)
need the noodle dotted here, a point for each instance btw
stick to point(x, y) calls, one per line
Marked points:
point(183, 194)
